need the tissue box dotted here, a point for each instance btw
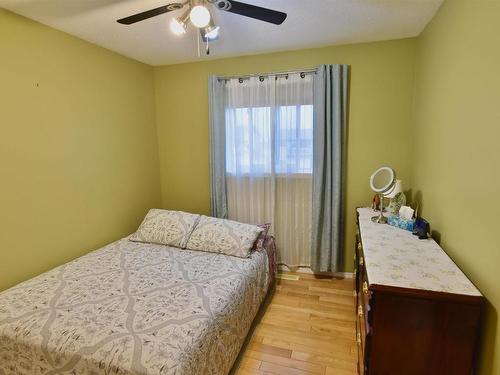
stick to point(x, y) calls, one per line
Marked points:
point(396, 221)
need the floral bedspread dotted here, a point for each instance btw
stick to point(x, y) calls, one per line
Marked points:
point(133, 308)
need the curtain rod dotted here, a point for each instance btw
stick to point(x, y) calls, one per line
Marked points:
point(248, 76)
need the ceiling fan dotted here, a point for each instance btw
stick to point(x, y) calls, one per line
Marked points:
point(198, 13)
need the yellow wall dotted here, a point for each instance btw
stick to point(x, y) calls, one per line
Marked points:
point(456, 158)
point(78, 147)
point(380, 108)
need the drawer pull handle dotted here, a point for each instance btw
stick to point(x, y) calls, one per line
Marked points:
point(361, 261)
point(365, 287)
point(358, 338)
point(360, 311)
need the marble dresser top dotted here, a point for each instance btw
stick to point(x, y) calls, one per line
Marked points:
point(395, 257)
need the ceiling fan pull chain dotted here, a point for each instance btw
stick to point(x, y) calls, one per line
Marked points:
point(198, 44)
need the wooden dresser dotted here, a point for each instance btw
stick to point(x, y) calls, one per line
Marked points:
point(417, 313)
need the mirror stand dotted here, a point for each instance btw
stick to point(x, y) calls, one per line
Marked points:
point(382, 182)
point(380, 219)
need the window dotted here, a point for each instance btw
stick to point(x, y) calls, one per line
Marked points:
point(250, 136)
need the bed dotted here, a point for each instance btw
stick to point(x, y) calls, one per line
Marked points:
point(134, 308)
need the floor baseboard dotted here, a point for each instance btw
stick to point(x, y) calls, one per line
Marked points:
point(307, 270)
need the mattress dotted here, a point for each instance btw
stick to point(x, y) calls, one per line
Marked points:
point(133, 308)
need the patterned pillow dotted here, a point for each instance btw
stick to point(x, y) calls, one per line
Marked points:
point(223, 236)
point(166, 228)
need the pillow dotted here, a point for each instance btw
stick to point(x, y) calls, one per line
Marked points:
point(259, 243)
point(223, 236)
point(166, 228)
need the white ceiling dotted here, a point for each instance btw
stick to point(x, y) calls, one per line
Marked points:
point(310, 23)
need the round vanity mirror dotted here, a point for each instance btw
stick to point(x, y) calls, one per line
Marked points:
point(382, 182)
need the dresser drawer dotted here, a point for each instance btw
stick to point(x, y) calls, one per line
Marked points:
point(363, 312)
point(363, 342)
point(361, 359)
point(359, 264)
point(362, 307)
point(361, 283)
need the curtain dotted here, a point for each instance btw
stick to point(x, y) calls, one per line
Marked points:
point(268, 146)
point(330, 117)
point(218, 195)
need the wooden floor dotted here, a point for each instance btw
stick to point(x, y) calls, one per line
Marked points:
point(308, 328)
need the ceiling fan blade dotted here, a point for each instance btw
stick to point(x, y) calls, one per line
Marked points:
point(252, 11)
point(149, 13)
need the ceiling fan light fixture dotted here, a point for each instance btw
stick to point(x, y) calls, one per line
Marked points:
point(178, 26)
point(210, 32)
point(200, 16)
point(213, 33)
